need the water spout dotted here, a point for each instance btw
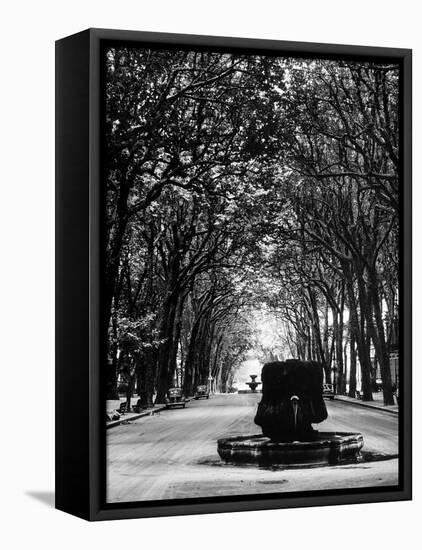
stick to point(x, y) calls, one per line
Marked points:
point(294, 399)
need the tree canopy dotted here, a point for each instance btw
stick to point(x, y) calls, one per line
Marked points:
point(242, 183)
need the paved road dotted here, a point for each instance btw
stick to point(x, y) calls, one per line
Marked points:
point(174, 454)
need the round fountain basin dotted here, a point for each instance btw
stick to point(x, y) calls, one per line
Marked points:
point(325, 448)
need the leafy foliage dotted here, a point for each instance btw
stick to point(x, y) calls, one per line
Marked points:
point(237, 184)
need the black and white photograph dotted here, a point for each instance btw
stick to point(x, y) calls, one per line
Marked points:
point(251, 296)
point(210, 232)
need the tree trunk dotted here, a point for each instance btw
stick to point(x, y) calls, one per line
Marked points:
point(325, 337)
point(358, 329)
point(190, 360)
point(114, 247)
point(378, 335)
point(338, 325)
point(112, 366)
point(165, 351)
point(352, 376)
point(129, 390)
point(145, 381)
point(316, 329)
point(177, 325)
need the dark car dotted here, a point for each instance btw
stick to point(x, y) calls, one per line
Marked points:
point(202, 391)
point(328, 391)
point(175, 398)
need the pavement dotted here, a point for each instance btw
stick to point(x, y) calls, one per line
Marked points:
point(377, 403)
point(174, 454)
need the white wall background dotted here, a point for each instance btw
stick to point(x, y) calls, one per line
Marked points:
point(27, 271)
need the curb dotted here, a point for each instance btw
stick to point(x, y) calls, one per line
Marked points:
point(122, 420)
point(151, 412)
point(367, 405)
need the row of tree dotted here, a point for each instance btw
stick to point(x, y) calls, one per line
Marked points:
point(234, 181)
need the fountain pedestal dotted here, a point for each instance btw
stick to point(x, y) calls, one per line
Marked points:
point(326, 448)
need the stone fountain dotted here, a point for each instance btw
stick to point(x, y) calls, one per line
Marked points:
point(291, 402)
point(254, 384)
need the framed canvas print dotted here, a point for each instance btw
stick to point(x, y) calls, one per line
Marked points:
point(233, 274)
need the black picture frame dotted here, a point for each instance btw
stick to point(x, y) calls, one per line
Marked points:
point(80, 428)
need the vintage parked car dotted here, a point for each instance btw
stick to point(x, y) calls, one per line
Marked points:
point(175, 398)
point(202, 391)
point(328, 391)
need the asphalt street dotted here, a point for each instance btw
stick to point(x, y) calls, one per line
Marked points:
point(173, 454)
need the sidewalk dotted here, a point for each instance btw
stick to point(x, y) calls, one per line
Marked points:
point(134, 416)
point(377, 403)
